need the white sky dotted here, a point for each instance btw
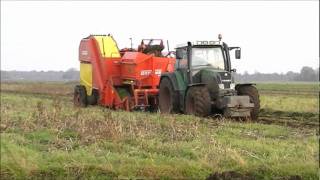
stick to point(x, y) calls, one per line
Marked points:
point(274, 36)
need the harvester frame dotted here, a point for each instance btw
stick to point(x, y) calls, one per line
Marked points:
point(120, 79)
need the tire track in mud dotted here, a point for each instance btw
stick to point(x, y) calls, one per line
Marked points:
point(291, 119)
point(285, 121)
point(49, 94)
point(289, 93)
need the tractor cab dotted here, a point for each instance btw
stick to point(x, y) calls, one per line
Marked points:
point(214, 56)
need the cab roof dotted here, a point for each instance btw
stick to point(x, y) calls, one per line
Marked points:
point(199, 43)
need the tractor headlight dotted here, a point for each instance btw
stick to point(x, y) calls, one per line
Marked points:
point(232, 86)
point(221, 86)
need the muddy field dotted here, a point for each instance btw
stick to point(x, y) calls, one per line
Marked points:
point(44, 136)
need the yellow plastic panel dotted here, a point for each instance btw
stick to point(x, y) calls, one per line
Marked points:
point(86, 77)
point(108, 46)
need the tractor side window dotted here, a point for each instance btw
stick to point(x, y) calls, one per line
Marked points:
point(183, 62)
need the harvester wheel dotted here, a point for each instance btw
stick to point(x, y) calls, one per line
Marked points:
point(80, 96)
point(93, 99)
point(168, 98)
point(253, 94)
point(198, 101)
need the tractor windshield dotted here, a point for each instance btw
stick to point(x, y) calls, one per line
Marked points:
point(208, 57)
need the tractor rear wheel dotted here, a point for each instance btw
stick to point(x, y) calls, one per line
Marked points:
point(198, 101)
point(80, 96)
point(253, 94)
point(168, 98)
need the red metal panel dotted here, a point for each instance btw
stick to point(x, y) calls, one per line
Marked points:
point(144, 69)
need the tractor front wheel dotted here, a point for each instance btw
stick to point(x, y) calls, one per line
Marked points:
point(253, 94)
point(168, 98)
point(198, 101)
point(80, 96)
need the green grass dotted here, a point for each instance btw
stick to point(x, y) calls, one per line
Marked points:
point(306, 89)
point(44, 136)
point(290, 103)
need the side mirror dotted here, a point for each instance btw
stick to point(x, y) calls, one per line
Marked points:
point(238, 54)
point(233, 70)
point(179, 54)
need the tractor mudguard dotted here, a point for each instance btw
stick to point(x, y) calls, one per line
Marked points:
point(172, 78)
point(193, 85)
point(196, 84)
point(244, 84)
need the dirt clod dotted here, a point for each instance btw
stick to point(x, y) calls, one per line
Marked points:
point(229, 175)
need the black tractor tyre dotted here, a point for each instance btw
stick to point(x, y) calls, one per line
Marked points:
point(198, 101)
point(168, 98)
point(80, 96)
point(253, 94)
point(93, 98)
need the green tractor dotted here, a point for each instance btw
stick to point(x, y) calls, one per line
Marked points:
point(203, 83)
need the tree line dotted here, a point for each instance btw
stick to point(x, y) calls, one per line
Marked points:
point(306, 74)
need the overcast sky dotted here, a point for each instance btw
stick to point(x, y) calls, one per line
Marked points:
point(274, 36)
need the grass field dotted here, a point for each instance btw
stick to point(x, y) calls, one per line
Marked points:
point(44, 136)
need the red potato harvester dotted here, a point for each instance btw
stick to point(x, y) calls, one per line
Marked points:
point(120, 79)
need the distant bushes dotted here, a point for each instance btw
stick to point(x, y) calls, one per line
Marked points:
point(306, 74)
point(69, 75)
